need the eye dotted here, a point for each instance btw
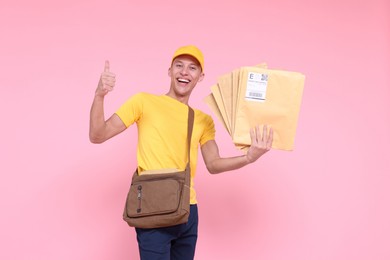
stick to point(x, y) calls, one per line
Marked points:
point(193, 68)
point(178, 65)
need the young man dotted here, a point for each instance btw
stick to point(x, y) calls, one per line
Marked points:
point(162, 134)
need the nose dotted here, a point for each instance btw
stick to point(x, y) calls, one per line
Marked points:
point(184, 70)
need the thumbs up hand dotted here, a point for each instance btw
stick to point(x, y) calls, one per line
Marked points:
point(106, 82)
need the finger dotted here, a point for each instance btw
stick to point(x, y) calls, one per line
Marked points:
point(107, 66)
point(270, 138)
point(253, 135)
point(265, 133)
point(109, 84)
point(108, 87)
point(258, 133)
point(108, 76)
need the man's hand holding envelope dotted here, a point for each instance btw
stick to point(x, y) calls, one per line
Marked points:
point(250, 97)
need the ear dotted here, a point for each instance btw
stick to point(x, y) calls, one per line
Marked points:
point(201, 76)
point(169, 72)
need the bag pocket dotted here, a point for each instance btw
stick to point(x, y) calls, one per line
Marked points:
point(153, 197)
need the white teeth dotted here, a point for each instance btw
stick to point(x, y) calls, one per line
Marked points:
point(184, 80)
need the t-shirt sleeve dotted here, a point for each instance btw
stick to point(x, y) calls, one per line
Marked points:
point(209, 130)
point(131, 111)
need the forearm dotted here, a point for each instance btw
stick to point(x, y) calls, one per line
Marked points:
point(217, 164)
point(97, 122)
point(227, 164)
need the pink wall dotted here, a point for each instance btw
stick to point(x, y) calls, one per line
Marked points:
point(62, 197)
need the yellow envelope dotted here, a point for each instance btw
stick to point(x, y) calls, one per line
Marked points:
point(268, 97)
point(210, 101)
point(215, 90)
point(225, 91)
point(235, 86)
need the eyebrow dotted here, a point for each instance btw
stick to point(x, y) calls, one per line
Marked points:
point(179, 61)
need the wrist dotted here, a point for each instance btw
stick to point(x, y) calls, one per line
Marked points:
point(99, 96)
point(248, 160)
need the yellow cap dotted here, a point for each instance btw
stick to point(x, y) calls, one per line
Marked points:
point(192, 51)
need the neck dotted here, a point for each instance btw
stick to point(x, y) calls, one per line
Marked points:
point(182, 99)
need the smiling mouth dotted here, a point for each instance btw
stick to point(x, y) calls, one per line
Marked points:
point(185, 81)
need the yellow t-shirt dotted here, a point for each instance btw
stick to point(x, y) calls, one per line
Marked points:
point(162, 132)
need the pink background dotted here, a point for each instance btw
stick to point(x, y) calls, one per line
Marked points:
point(62, 197)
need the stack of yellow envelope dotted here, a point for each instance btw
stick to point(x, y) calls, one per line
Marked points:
point(256, 95)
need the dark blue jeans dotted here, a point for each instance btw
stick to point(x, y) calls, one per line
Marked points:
point(170, 243)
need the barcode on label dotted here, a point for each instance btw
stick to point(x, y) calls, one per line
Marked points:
point(256, 87)
point(253, 94)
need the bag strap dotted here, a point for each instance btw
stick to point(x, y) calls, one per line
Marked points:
point(189, 133)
